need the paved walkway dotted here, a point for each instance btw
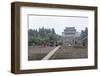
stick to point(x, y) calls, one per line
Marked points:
point(51, 53)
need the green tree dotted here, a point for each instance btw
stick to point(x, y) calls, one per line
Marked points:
point(84, 37)
point(41, 36)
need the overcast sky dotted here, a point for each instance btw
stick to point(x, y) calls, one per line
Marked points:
point(57, 22)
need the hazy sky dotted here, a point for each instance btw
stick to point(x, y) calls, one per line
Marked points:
point(57, 22)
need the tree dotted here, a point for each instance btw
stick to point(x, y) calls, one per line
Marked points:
point(53, 31)
point(84, 37)
point(42, 36)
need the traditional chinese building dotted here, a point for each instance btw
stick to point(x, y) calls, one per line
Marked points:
point(71, 37)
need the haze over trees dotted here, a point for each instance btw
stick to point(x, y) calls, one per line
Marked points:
point(42, 36)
